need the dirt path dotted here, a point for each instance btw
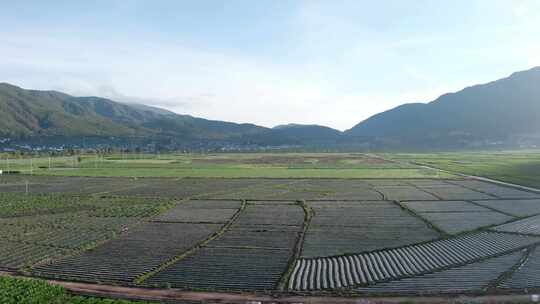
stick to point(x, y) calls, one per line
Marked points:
point(133, 293)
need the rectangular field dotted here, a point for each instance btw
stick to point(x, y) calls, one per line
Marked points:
point(124, 259)
point(252, 255)
point(354, 226)
point(456, 216)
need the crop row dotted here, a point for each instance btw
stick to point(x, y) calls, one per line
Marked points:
point(496, 190)
point(274, 215)
point(183, 188)
point(392, 264)
point(457, 222)
point(456, 216)
point(526, 276)
point(455, 192)
point(226, 269)
point(76, 221)
point(349, 227)
point(529, 225)
point(133, 254)
point(201, 212)
point(473, 277)
point(259, 237)
point(14, 205)
point(15, 255)
point(516, 207)
point(19, 205)
point(404, 192)
point(251, 255)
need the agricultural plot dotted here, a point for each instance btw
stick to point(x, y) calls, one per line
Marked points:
point(456, 216)
point(404, 193)
point(226, 269)
point(443, 206)
point(188, 187)
point(349, 190)
point(388, 236)
point(267, 189)
point(530, 225)
point(518, 167)
point(73, 239)
point(495, 190)
point(307, 189)
point(272, 215)
point(526, 276)
point(16, 255)
point(124, 259)
point(476, 277)
point(201, 212)
point(252, 255)
point(65, 185)
point(38, 228)
point(400, 263)
point(16, 205)
point(72, 221)
point(455, 192)
point(516, 207)
point(445, 189)
point(352, 226)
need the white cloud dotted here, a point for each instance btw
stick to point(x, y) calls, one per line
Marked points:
point(344, 64)
point(210, 85)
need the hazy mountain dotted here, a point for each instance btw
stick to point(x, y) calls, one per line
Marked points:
point(499, 110)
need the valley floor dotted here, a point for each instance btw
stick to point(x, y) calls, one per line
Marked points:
point(280, 236)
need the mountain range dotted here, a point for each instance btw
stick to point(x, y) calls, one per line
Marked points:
point(503, 112)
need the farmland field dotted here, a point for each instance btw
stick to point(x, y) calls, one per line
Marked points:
point(220, 166)
point(519, 167)
point(368, 235)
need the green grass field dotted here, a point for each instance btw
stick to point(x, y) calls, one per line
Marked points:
point(301, 165)
point(18, 291)
point(519, 167)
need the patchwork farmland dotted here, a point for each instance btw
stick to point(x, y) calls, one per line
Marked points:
point(306, 236)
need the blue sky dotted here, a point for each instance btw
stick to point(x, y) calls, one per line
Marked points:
point(328, 62)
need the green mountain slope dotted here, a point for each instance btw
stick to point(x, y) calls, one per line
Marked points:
point(500, 110)
point(27, 113)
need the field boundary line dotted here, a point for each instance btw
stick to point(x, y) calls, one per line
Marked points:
point(494, 284)
point(145, 294)
point(72, 252)
point(142, 278)
point(491, 208)
point(484, 179)
point(349, 288)
point(299, 246)
point(495, 197)
point(442, 233)
point(425, 191)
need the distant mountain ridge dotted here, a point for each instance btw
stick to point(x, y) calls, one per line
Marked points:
point(38, 115)
point(496, 111)
point(505, 111)
point(50, 113)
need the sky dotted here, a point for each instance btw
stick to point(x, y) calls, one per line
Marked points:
point(267, 62)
